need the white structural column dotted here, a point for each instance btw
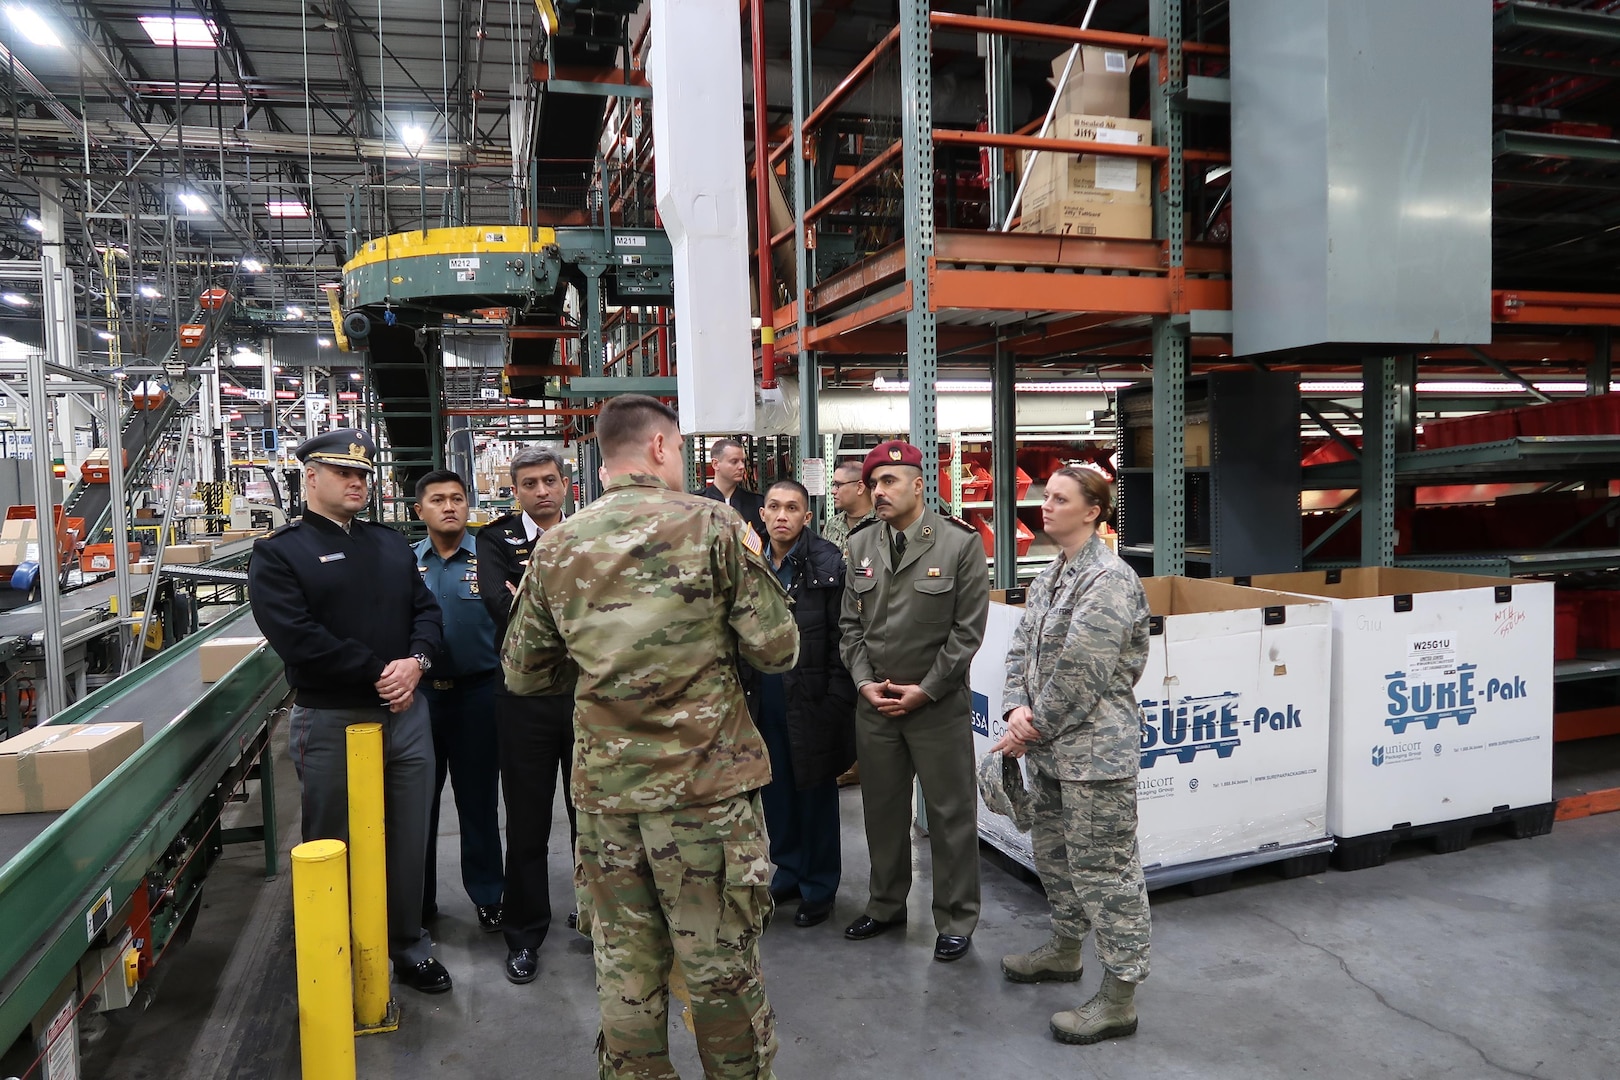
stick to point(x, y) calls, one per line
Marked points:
point(701, 188)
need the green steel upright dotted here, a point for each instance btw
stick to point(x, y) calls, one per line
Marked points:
point(1169, 334)
point(1380, 409)
point(1003, 365)
point(917, 151)
point(803, 256)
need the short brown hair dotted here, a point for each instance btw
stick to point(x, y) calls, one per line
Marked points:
point(722, 445)
point(1095, 488)
point(629, 420)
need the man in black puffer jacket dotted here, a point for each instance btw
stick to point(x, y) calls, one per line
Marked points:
point(807, 716)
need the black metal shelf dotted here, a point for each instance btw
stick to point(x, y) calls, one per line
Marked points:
point(1501, 563)
point(1589, 664)
point(1145, 551)
point(1527, 457)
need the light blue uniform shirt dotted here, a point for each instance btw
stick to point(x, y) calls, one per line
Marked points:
point(469, 633)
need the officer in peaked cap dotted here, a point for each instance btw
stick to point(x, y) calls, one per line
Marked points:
point(915, 602)
point(341, 602)
point(346, 448)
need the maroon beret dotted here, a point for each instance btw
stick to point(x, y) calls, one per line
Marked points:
point(893, 452)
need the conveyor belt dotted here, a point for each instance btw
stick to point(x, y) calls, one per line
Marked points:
point(153, 703)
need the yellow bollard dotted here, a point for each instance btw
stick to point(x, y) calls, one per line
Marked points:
point(374, 1010)
point(320, 871)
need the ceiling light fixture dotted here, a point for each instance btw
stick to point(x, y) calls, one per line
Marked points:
point(105, 335)
point(323, 343)
point(252, 265)
point(31, 25)
point(35, 224)
point(16, 299)
point(295, 312)
point(151, 293)
point(413, 138)
point(194, 203)
point(286, 208)
point(184, 32)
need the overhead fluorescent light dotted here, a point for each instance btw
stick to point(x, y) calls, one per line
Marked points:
point(105, 335)
point(413, 138)
point(295, 312)
point(1479, 386)
point(982, 386)
point(35, 224)
point(31, 25)
point(252, 265)
point(195, 203)
point(151, 293)
point(16, 299)
point(355, 375)
point(288, 208)
point(184, 32)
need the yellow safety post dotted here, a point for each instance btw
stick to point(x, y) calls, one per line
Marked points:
point(320, 872)
point(374, 1010)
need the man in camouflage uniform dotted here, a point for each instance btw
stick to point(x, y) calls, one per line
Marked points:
point(1070, 703)
point(852, 505)
point(650, 595)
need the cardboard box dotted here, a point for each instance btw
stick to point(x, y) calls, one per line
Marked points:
point(1442, 694)
point(217, 657)
point(188, 553)
point(1099, 82)
point(143, 567)
point(1195, 443)
point(1235, 724)
point(145, 513)
point(19, 529)
point(1056, 177)
point(1093, 216)
point(17, 552)
point(54, 766)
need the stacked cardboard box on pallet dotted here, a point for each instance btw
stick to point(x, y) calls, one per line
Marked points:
point(1092, 194)
point(1442, 706)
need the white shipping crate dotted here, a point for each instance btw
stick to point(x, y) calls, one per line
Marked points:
point(1234, 731)
point(1442, 695)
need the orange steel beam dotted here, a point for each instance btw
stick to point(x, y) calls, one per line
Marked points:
point(1586, 724)
point(1051, 146)
point(1088, 252)
point(1555, 308)
point(991, 290)
point(1031, 31)
point(842, 191)
point(870, 273)
point(542, 332)
point(846, 85)
point(897, 304)
point(532, 371)
point(1606, 801)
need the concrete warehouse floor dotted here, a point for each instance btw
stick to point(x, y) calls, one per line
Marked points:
point(1499, 961)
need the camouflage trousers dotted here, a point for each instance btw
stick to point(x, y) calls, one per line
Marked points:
point(688, 886)
point(1086, 853)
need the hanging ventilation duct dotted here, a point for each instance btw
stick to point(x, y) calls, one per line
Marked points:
point(696, 75)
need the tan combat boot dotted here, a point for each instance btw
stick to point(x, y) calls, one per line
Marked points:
point(1109, 1015)
point(1056, 961)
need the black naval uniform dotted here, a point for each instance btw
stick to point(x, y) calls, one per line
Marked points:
point(537, 744)
point(338, 606)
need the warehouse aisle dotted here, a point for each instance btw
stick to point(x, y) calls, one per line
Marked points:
point(1493, 962)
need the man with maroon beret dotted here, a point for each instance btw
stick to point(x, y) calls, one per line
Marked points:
point(915, 601)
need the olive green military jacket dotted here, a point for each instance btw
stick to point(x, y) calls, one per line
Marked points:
point(651, 595)
point(921, 623)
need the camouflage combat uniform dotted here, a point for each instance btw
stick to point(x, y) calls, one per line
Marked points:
point(649, 596)
point(837, 528)
point(1074, 661)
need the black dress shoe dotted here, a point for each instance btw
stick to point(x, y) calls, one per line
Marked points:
point(489, 917)
point(522, 965)
point(783, 893)
point(811, 914)
point(573, 920)
point(948, 947)
point(428, 977)
point(868, 927)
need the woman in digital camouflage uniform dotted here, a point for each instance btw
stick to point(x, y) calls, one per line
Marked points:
point(1071, 712)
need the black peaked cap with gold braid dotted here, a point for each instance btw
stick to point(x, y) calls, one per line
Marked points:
point(348, 448)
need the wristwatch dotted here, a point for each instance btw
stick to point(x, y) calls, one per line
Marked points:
point(422, 661)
